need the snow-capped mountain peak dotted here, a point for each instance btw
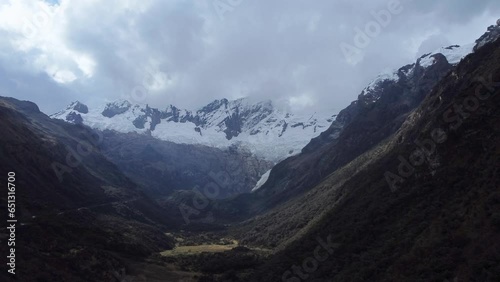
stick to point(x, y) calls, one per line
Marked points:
point(259, 127)
point(452, 54)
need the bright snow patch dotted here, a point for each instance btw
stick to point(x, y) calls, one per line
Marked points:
point(262, 181)
point(427, 61)
point(384, 76)
point(454, 54)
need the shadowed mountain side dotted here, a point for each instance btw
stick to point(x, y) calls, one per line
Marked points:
point(163, 167)
point(377, 114)
point(366, 123)
point(73, 225)
point(433, 217)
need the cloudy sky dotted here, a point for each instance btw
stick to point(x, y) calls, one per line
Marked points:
point(188, 53)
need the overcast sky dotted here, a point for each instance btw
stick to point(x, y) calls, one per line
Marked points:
point(189, 53)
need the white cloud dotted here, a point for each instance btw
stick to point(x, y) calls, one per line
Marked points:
point(301, 102)
point(37, 33)
point(182, 52)
point(63, 76)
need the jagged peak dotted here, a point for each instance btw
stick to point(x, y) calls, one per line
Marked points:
point(215, 105)
point(79, 107)
point(116, 108)
point(240, 104)
point(75, 103)
point(119, 103)
point(248, 103)
point(387, 75)
point(453, 54)
point(492, 34)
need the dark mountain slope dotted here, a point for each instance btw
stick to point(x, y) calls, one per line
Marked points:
point(378, 112)
point(440, 221)
point(164, 167)
point(366, 122)
point(76, 224)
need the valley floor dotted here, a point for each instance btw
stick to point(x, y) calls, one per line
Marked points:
point(197, 257)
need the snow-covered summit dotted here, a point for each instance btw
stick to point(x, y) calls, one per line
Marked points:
point(492, 34)
point(453, 54)
point(384, 76)
point(260, 127)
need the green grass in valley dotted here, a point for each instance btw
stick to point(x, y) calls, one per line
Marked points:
point(208, 248)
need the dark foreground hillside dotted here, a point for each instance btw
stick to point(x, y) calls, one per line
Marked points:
point(78, 216)
point(427, 205)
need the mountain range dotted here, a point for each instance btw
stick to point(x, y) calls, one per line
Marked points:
point(262, 128)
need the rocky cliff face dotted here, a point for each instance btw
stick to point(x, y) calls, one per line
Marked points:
point(111, 109)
